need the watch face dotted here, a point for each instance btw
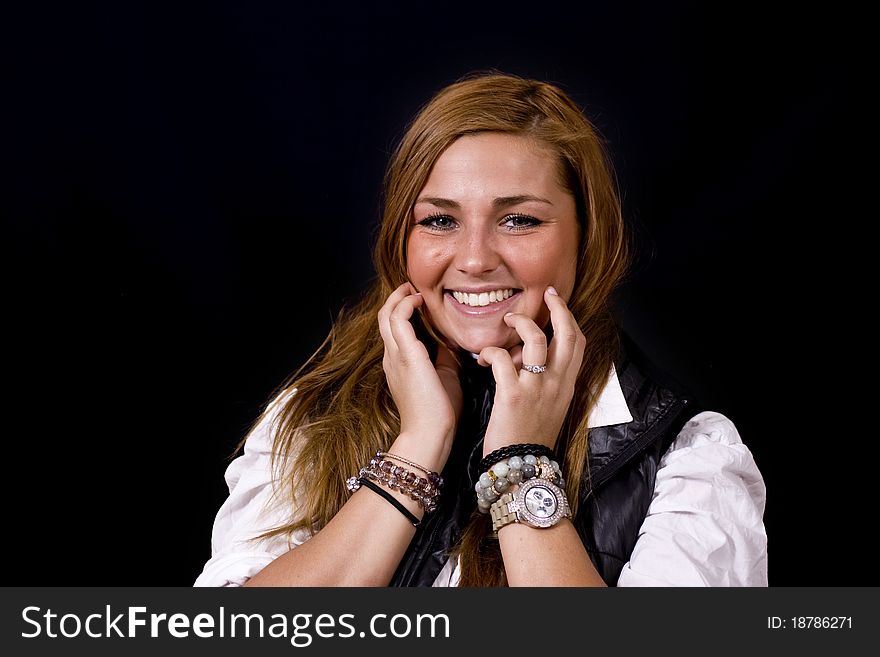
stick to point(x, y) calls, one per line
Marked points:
point(541, 502)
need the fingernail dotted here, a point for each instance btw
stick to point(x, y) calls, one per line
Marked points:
point(552, 290)
point(508, 314)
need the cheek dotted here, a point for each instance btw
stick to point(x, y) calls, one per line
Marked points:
point(561, 263)
point(552, 263)
point(566, 274)
point(549, 264)
point(424, 263)
point(536, 268)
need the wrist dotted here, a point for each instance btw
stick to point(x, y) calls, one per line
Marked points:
point(428, 451)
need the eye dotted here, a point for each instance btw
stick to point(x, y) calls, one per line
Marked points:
point(438, 222)
point(521, 222)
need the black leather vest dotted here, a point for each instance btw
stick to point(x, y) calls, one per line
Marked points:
point(616, 489)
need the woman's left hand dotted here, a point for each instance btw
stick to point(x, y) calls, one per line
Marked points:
point(530, 407)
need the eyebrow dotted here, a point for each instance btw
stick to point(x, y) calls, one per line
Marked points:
point(499, 202)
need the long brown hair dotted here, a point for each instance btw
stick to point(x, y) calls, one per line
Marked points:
point(343, 412)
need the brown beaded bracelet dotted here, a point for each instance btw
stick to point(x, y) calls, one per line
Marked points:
point(425, 491)
point(397, 478)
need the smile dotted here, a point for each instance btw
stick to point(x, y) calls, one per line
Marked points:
point(482, 299)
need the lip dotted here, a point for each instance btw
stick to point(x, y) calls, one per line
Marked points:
point(481, 289)
point(491, 309)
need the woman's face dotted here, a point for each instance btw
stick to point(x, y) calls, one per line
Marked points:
point(492, 229)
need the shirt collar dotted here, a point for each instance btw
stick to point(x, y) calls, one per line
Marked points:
point(611, 406)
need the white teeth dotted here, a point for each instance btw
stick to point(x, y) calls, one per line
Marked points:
point(482, 299)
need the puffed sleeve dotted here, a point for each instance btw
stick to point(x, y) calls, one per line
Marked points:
point(704, 526)
point(248, 512)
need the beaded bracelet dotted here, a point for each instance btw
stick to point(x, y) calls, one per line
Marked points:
point(514, 450)
point(420, 490)
point(496, 480)
point(425, 491)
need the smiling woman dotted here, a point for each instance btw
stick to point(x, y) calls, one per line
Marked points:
point(494, 220)
point(478, 419)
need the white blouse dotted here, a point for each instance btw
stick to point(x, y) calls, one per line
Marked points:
point(704, 525)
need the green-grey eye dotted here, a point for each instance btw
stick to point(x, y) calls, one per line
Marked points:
point(521, 221)
point(438, 222)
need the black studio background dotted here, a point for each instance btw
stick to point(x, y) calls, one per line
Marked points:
point(191, 193)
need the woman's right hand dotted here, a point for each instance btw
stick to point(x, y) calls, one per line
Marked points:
point(428, 395)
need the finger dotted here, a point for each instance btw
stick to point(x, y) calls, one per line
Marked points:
point(567, 347)
point(516, 356)
point(384, 316)
point(448, 367)
point(534, 351)
point(503, 369)
point(402, 329)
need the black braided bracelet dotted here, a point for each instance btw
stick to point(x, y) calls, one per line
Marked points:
point(373, 487)
point(515, 450)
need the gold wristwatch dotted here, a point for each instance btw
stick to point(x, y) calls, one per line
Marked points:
point(537, 503)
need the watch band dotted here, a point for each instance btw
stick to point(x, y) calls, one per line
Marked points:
point(501, 513)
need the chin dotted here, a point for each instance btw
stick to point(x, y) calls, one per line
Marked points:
point(476, 344)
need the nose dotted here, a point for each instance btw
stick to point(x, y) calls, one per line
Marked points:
point(478, 253)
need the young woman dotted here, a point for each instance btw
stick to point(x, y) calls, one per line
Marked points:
point(478, 419)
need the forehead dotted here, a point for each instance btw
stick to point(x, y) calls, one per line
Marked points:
point(495, 163)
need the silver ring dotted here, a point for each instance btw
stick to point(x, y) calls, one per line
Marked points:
point(535, 369)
